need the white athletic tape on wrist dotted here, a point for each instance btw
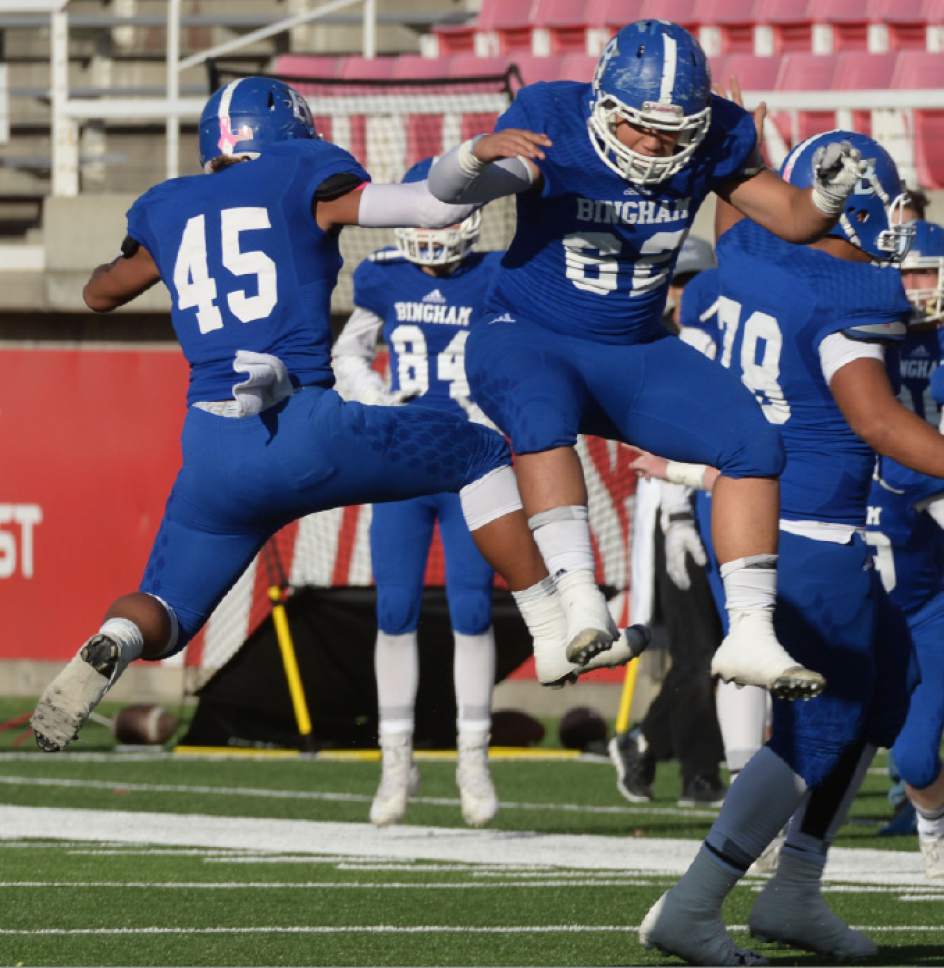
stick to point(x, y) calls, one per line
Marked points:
point(490, 497)
point(468, 162)
point(691, 475)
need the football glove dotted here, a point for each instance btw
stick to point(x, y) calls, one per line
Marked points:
point(836, 169)
point(681, 540)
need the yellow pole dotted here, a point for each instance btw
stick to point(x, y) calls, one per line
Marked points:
point(626, 697)
point(289, 663)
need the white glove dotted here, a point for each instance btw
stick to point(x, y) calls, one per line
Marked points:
point(836, 169)
point(681, 540)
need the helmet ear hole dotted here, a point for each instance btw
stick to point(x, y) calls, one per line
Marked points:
point(271, 101)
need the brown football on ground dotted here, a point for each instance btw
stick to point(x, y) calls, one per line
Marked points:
point(144, 723)
point(582, 728)
point(512, 727)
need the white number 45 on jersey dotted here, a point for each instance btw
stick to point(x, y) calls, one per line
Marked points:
point(196, 287)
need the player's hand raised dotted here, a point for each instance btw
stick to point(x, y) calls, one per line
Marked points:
point(836, 169)
point(511, 143)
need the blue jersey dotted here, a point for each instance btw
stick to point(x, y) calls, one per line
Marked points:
point(917, 359)
point(426, 322)
point(246, 264)
point(777, 303)
point(908, 542)
point(593, 254)
point(698, 307)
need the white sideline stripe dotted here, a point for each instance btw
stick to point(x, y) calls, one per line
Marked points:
point(573, 851)
point(425, 929)
point(263, 793)
point(326, 885)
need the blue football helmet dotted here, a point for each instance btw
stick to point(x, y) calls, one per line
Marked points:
point(248, 114)
point(654, 75)
point(925, 255)
point(437, 247)
point(871, 217)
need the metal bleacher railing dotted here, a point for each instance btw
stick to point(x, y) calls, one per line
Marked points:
point(69, 110)
point(896, 93)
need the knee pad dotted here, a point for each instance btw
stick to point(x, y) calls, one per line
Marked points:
point(760, 453)
point(918, 763)
point(398, 609)
point(470, 609)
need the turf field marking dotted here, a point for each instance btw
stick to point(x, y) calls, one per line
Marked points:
point(326, 885)
point(655, 856)
point(267, 794)
point(424, 929)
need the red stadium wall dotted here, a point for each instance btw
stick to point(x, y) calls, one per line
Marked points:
point(77, 513)
point(90, 444)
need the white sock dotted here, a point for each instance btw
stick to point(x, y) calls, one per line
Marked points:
point(396, 667)
point(930, 822)
point(542, 611)
point(742, 716)
point(563, 537)
point(128, 636)
point(473, 672)
point(750, 583)
point(755, 809)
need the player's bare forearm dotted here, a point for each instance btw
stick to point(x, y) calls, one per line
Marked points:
point(863, 393)
point(699, 477)
point(118, 282)
point(781, 208)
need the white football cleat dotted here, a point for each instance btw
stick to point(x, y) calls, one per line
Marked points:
point(551, 665)
point(590, 627)
point(399, 780)
point(797, 915)
point(69, 699)
point(932, 850)
point(476, 791)
point(697, 936)
point(750, 655)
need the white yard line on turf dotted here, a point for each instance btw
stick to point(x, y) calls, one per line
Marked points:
point(423, 929)
point(269, 794)
point(328, 885)
point(655, 856)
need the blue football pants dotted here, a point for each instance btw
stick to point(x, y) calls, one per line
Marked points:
point(543, 389)
point(243, 479)
point(400, 536)
point(917, 751)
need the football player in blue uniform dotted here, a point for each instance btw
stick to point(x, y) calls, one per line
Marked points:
point(424, 296)
point(608, 178)
point(906, 530)
point(249, 253)
point(804, 328)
